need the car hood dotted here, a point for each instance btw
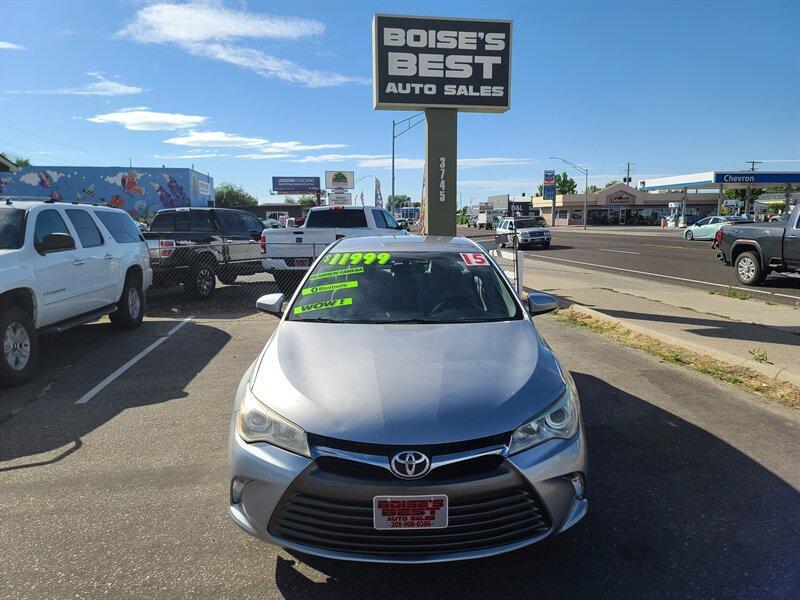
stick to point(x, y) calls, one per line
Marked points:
point(407, 384)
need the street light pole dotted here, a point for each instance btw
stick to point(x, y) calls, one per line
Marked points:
point(409, 125)
point(586, 189)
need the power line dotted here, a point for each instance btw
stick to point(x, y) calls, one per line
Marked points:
point(753, 164)
point(62, 144)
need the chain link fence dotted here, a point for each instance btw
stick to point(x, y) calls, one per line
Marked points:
point(233, 276)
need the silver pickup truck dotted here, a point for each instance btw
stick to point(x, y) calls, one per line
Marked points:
point(288, 252)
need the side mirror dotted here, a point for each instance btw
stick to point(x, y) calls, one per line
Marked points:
point(55, 242)
point(539, 304)
point(271, 303)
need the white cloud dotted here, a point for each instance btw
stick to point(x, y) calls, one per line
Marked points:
point(500, 184)
point(188, 156)
point(321, 158)
point(207, 30)
point(196, 22)
point(263, 156)
point(280, 147)
point(216, 139)
point(116, 179)
point(30, 179)
point(470, 163)
point(141, 118)
point(386, 161)
point(11, 46)
point(100, 87)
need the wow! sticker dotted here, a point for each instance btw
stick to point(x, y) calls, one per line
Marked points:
point(299, 310)
point(329, 287)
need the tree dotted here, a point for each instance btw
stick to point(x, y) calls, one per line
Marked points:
point(228, 194)
point(399, 200)
point(307, 200)
point(21, 162)
point(593, 189)
point(564, 184)
point(610, 183)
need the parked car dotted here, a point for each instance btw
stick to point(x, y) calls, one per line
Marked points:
point(472, 221)
point(287, 253)
point(527, 230)
point(195, 246)
point(64, 265)
point(329, 456)
point(686, 220)
point(403, 224)
point(271, 223)
point(705, 229)
point(756, 249)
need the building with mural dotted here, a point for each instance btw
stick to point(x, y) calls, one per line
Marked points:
point(141, 192)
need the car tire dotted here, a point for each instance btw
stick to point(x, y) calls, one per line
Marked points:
point(201, 282)
point(227, 278)
point(131, 305)
point(20, 346)
point(287, 281)
point(546, 245)
point(748, 269)
point(688, 235)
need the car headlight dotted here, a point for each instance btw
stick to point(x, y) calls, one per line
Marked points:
point(257, 423)
point(546, 232)
point(559, 420)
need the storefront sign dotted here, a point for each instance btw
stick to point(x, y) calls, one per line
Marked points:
point(434, 62)
point(754, 177)
point(295, 185)
point(339, 180)
point(519, 209)
point(340, 198)
point(549, 177)
point(620, 197)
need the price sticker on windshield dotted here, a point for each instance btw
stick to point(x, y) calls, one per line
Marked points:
point(475, 259)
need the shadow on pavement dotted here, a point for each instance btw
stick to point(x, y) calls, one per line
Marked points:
point(51, 421)
point(674, 512)
point(229, 301)
point(720, 328)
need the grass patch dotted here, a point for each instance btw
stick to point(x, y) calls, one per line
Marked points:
point(744, 377)
point(731, 292)
point(759, 355)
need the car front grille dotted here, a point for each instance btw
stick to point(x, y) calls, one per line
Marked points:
point(333, 511)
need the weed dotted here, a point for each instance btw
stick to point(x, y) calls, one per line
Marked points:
point(759, 355)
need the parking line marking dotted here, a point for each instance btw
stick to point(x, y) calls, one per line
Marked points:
point(620, 251)
point(722, 285)
point(93, 392)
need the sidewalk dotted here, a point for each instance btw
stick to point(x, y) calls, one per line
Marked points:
point(725, 328)
point(647, 230)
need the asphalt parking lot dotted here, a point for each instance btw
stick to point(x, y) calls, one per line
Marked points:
point(694, 485)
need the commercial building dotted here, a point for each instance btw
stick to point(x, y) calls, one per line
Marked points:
point(139, 191)
point(620, 204)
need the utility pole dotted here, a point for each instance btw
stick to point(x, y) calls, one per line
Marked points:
point(749, 192)
point(627, 179)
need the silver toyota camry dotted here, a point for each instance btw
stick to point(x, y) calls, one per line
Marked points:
point(406, 410)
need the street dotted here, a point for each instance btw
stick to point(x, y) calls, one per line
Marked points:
point(693, 484)
point(662, 255)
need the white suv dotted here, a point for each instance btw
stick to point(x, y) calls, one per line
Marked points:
point(62, 265)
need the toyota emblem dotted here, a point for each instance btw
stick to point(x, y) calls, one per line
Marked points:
point(410, 464)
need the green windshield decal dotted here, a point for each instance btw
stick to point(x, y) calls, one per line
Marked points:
point(330, 287)
point(355, 258)
point(337, 273)
point(299, 310)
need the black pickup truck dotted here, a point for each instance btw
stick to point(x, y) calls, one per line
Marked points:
point(756, 249)
point(195, 246)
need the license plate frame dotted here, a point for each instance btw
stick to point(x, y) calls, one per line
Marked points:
point(426, 511)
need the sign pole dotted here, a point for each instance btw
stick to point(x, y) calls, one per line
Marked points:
point(441, 156)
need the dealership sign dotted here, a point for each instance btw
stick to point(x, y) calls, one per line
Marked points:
point(340, 198)
point(433, 62)
point(339, 180)
point(295, 185)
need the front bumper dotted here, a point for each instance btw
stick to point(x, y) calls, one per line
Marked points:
point(271, 265)
point(276, 478)
point(535, 241)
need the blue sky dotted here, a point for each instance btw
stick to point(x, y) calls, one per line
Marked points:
point(248, 90)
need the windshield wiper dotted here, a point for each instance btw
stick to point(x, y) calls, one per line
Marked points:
point(318, 320)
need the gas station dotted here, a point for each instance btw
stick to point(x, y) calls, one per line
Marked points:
point(721, 181)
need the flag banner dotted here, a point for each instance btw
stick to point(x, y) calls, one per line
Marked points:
point(378, 195)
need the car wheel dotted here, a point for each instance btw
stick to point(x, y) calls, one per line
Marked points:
point(201, 282)
point(227, 278)
point(20, 346)
point(688, 235)
point(546, 245)
point(748, 269)
point(130, 308)
point(287, 281)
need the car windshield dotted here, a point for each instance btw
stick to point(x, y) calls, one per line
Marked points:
point(405, 287)
point(523, 223)
point(12, 228)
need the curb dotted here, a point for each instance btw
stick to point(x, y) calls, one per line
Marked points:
point(779, 373)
